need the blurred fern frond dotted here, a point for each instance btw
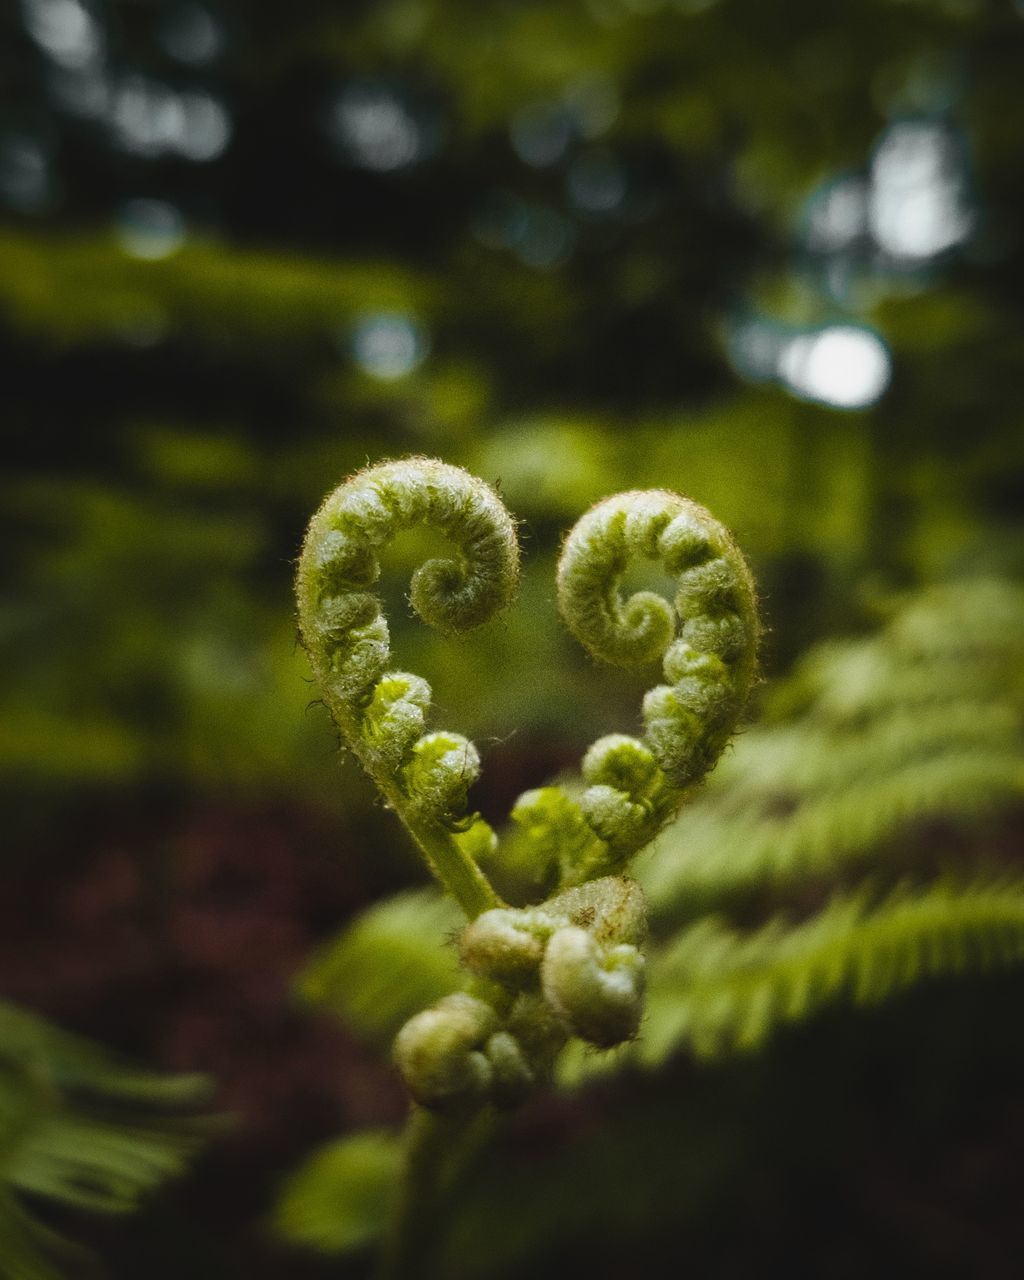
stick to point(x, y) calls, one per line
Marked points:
point(718, 989)
point(31, 1251)
point(82, 1129)
point(387, 965)
point(341, 1197)
point(865, 743)
point(868, 740)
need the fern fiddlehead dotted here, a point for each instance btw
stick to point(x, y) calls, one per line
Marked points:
point(707, 645)
point(423, 776)
point(571, 965)
point(708, 661)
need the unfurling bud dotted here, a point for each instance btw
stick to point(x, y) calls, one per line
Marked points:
point(507, 944)
point(439, 1051)
point(597, 990)
point(454, 1055)
point(442, 769)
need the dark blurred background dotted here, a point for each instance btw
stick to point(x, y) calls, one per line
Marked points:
point(766, 254)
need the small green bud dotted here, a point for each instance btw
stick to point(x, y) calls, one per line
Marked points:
point(440, 1052)
point(342, 562)
point(621, 762)
point(512, 1076)
point(622, 824)
point(685, 541)
point(438, 777)
point(355, 643)
point(597, 990)
point(507, 944)
point(676, 733)
point(394, 719)
point(554, 832)
point(479, 840)
point(684, 662)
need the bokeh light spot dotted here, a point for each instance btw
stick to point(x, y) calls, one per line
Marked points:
point(206, 127)
point(841, 365)
point(594, 104)
point(545, 238)
point(64, 30)
point(389, 345)
point(26, 180)
point(919, 205)
point(541, 133)
point(838, 215)
point(150, 229)
point(597, 183)
point(150, 119)
point(376, 129)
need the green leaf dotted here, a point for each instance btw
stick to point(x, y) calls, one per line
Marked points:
point(81, 1127)
point(343, 1197)
point(718, 990)
point(391, 963)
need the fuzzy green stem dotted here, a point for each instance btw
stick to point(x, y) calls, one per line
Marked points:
point(436, 1149)
point(456, 870)
point(452, 865)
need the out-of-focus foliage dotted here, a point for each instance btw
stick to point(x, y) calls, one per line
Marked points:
point(241, 258)
point(391, 963)
point(342, 1198)
point(80, 1128)
point(718, 990)
point(866, 741)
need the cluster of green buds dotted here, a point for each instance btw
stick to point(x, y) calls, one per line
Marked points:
point(571, 965)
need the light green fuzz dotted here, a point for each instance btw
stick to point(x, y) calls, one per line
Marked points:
point(424, 777)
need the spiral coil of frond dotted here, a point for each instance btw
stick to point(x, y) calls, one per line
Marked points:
point(424, 776)
point(570, 965)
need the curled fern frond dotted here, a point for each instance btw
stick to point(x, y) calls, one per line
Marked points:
point(382, 714)
point(709, 659)
point(707, 645)
point(571, 965)
point(342, 623)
